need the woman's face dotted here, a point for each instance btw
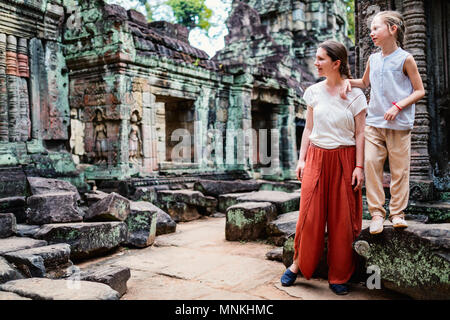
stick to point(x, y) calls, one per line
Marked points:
point(324, 64)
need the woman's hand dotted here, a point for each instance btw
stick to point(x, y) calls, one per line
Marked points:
point(391, 113)
point(357, 179)
point(299, 170)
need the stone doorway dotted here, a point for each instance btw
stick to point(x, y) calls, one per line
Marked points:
point(264, 119)
point(175, 123)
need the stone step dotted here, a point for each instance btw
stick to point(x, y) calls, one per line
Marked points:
point(47, 261)
point(86, 239)
point(49, 289)
point(11, 296)
point(53, 208)
point(248, 220)
point(280, 229)
point(113, 207)
point(217, 187)
point(7, 225)
point(437, 211)
point(18, 243)
point(115, 277)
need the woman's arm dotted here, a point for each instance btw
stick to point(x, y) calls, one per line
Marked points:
point(305, 142)
point(411, 70)
point(358, 172)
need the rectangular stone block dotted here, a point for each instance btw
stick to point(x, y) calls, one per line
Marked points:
point(7, 225)
point(114, 276)
point(41, 261)
point(86, 239)
point(16, 243)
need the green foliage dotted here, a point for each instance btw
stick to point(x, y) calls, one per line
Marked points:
point(191, 13)
point(350, 4)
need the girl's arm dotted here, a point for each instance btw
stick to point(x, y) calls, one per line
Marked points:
point(362, 83)
point(411, 70)
point(358, 172)
point(305, 142)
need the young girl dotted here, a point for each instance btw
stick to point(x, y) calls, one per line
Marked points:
point(332, 174)
point(395, 86)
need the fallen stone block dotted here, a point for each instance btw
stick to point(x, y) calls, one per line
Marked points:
point(86, 239)
point(205, 205)
point(26, 230)
point(280, 186)
point(280, 229)
point(94, 196)
point(113, 207)
point(53, 208)
point(285, 202)
point(18, 243)
point(248, 221)
point(13, 182)
point(15, 205)
point(182, 212)
point(275, 254)
point(217, 187)
point(40, 185)
point(8, 272)
point(164, 223)
point(141, 224)
point(11, 296)
point(49, 289)
point(230, 199)
point(114, 276)
point(414, 261)
point(47, 261)
point(7, 225)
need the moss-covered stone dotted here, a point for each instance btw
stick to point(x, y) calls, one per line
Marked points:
point(248, 221)
point(414, 261)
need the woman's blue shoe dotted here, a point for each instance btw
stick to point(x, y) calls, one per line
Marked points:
point(288, 278)
point(339, 289)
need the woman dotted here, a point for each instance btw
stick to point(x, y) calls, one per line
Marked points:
point(330, 167)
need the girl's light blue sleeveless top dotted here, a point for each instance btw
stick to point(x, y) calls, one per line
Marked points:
point(389, 84)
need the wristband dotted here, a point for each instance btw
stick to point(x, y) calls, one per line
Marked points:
point(360, 167)
point(395, 104)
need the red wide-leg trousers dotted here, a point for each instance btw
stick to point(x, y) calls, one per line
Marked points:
point(328, 199)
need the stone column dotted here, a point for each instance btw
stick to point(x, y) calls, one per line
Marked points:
point(24, 73)
point(414, 14)
point(149, 136)
point(4, 132)
point(12, 73)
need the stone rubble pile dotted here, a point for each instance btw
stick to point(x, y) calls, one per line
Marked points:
point(55, 229)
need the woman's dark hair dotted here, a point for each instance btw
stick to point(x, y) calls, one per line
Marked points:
point(337, 51)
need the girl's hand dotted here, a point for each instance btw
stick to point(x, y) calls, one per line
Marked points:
point(347, 87)
point(357, 179)
point(299, 170)
point(391, 113)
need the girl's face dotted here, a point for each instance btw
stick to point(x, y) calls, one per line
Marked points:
point(380, 32)
point(324, 64)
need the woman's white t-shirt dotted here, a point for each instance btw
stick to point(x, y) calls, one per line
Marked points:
point(333, 117)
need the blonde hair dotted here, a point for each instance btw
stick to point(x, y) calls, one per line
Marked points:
point(394, 18)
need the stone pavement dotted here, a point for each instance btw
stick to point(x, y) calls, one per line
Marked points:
point(198, 263)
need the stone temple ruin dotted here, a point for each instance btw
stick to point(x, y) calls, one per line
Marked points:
point(114, 129)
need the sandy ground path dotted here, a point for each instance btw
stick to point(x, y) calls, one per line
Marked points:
point(198, 263)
